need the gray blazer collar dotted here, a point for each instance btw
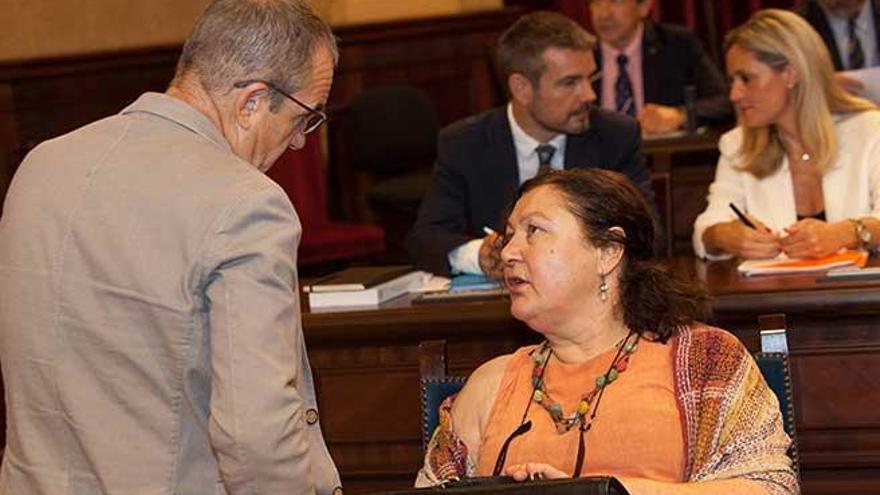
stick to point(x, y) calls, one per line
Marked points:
point(179, 112)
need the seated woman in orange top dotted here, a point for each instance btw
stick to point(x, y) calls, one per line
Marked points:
point(627, 383)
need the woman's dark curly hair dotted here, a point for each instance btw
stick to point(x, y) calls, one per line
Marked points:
point(652, 299)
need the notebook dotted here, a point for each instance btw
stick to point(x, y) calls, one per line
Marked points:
point(782, 266)
point(357, 278)
point(371, 296)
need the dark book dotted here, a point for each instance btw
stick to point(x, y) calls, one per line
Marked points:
point(357, 278)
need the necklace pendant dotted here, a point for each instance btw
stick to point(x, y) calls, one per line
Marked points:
point(583, 408)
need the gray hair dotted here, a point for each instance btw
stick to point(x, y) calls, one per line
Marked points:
point(520, 47)
point(271, 40)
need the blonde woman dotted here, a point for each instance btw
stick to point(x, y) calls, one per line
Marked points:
point(803, 163)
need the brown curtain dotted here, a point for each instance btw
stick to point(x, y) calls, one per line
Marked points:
point(710, 19)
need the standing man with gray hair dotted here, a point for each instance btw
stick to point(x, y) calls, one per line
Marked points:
point(150, 331)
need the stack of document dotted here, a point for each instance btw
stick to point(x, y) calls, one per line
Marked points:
point(363, 286)
point(781, 266)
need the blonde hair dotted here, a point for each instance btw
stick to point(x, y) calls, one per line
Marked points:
point(780, 38)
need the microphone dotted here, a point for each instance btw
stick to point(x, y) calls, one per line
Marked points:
point(502, 455)
point(690, 97)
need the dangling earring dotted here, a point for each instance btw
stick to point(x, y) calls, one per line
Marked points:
point(603, 288)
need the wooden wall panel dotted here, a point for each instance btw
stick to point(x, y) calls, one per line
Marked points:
point(850, 375)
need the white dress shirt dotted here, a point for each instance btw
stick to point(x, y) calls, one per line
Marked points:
point(466, 258)
point(865, 31)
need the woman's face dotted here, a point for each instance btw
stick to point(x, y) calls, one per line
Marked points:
point(759, 92)
point(550, 268)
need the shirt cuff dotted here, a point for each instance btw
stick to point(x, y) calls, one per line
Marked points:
point(700, 248)
point(466, 258)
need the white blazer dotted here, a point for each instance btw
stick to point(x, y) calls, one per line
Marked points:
point(850, 188)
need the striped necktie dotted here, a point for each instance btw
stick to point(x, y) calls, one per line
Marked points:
point(545, 154)
point(623, 90)
point(854, 47)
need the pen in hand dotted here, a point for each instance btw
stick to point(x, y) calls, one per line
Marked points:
point(489, 231)
point(742, 217)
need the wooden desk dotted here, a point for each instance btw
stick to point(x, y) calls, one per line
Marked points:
point(366, 366)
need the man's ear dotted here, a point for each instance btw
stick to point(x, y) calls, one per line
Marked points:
point(521, 89)
point(248, 102)
point(611, 255)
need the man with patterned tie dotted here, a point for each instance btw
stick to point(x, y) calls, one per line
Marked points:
point(647, 68)
point(849, 29)
point(550, 123)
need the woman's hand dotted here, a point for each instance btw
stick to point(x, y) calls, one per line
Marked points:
point(534, 471)
point(657, 119)
point(812, 238)
point(737, 239)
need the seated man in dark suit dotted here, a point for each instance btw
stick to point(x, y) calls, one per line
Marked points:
point(647, 68)
point(547, 62)
point(849, 29)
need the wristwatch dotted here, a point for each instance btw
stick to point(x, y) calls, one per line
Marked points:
point(864, 234)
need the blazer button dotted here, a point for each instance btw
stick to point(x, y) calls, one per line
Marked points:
point(337, 490)
point(312, 418)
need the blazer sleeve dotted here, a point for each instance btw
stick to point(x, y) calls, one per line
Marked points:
point(258, 424)
point(632, 164)
point(442, 221)
point(728, 187)
point(873, 166)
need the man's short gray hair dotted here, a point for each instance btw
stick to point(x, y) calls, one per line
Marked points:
point(272, 40)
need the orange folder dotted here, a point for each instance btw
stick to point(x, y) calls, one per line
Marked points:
point(803, 265)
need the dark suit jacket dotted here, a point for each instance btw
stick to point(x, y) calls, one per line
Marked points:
point(672, 58)
point(813, 13)
point(477, 176)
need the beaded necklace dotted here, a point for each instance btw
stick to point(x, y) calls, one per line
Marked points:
point(590, 400)
point(625, 349)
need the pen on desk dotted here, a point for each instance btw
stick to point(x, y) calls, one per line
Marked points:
point(489, 231)
point(742, 217)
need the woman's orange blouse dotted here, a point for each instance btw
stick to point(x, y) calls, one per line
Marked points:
point(637, 430)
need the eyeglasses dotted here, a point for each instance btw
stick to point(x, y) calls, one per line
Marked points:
point(307, 123)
